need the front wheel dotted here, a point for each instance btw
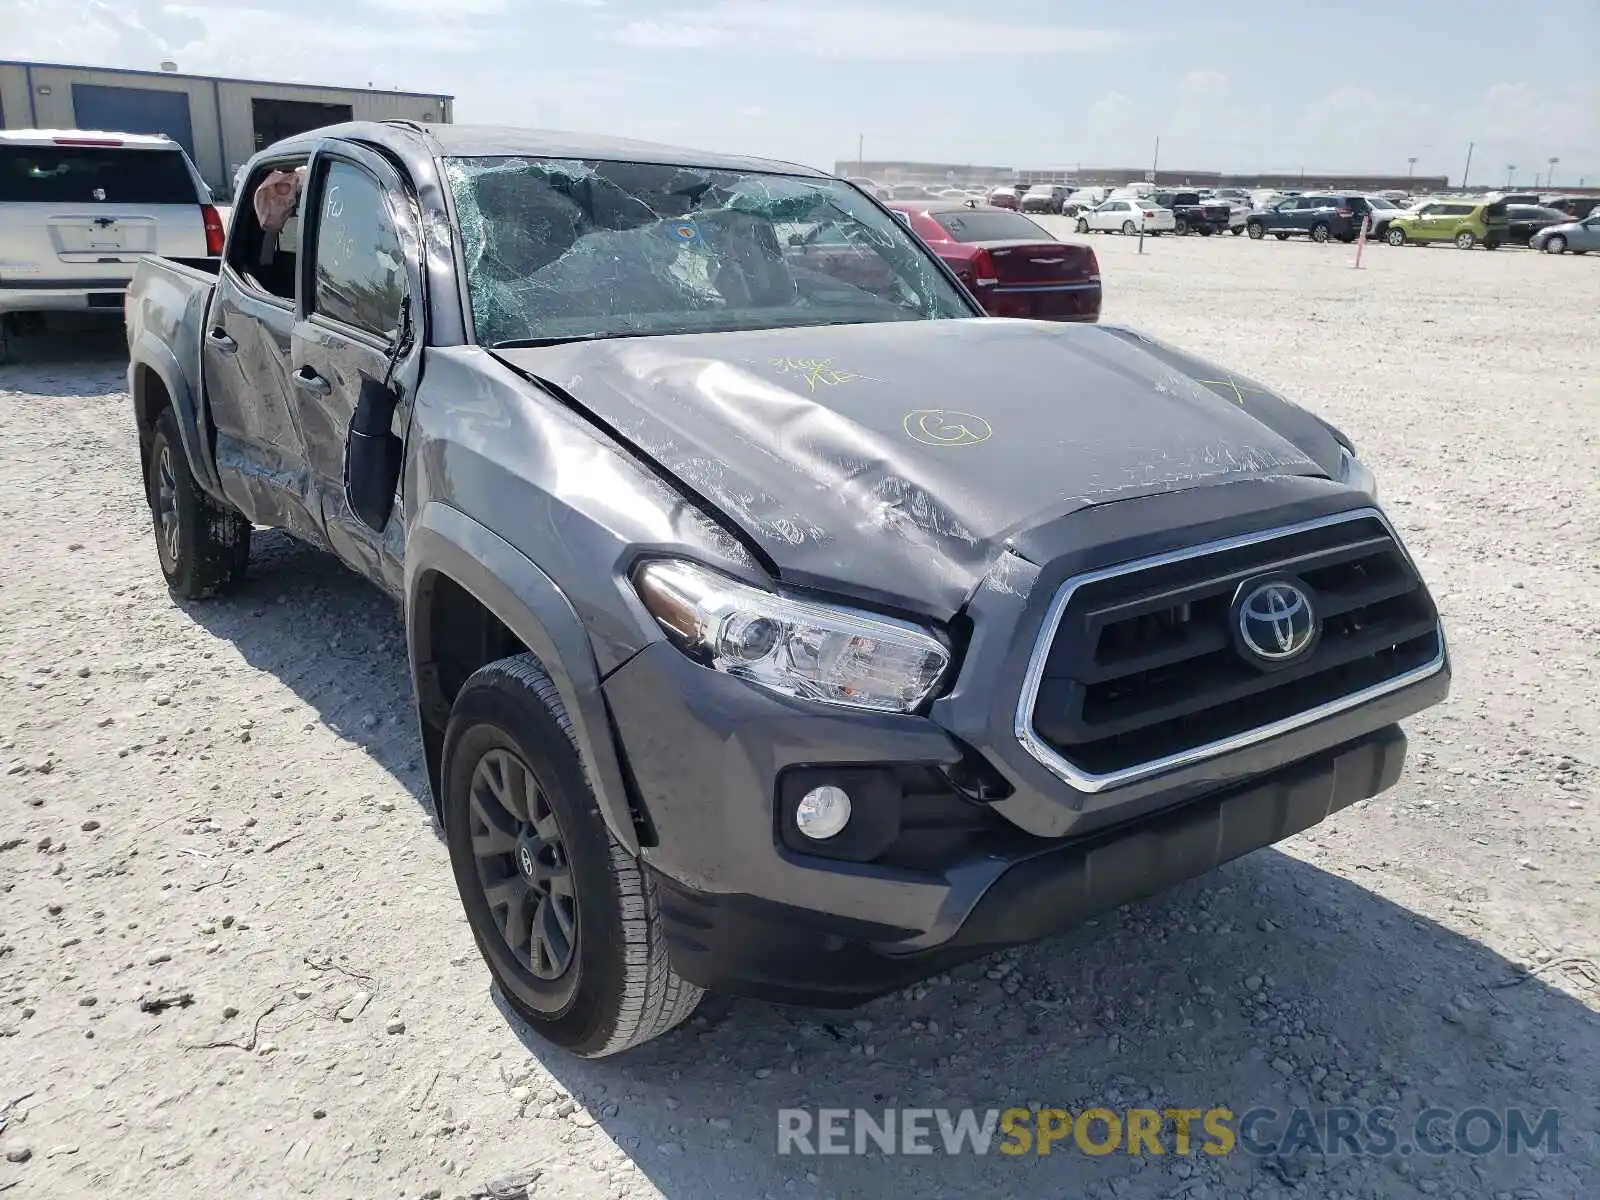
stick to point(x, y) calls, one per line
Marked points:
point(1129, 228)
point(1181, 226)
point(1319, 232)
point(1083, 226)
point(1395, 237)
point(1465, 240)
point(203, 547)
point(1555, 245)
point(1282, 237)
point(1236, 230)
point(1256, 230)
point(563, 915)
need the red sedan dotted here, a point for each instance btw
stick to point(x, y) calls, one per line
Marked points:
point(1013, 266)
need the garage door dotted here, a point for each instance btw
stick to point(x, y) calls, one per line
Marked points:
point(134, 110)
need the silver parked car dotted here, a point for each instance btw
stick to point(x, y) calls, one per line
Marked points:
point(79, 208)
point(1578, 236)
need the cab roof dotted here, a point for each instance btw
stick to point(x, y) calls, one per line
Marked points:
point(495, 141)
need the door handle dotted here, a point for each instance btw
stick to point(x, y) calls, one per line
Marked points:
point(219, 338)
point(308, 380)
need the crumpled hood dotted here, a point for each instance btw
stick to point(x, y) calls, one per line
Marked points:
point(893, 461)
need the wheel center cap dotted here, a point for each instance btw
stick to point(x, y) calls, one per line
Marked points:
point(525, 860)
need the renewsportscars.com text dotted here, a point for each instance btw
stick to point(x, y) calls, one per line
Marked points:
point(1181, 1131)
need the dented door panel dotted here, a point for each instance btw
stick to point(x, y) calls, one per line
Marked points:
point(261, 457)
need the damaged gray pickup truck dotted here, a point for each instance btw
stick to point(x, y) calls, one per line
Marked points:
point(778, 623)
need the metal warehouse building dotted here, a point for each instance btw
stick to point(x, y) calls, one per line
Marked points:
point(220, 122)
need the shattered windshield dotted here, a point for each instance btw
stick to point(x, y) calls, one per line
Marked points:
point(560, 250)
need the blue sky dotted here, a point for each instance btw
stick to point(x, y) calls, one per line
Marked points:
point(1348, 85)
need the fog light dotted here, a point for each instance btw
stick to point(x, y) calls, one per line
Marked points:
point(822, 812)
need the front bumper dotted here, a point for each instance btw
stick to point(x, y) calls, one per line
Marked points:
point(748, 945)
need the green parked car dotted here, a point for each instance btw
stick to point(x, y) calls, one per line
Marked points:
point(1467, 223)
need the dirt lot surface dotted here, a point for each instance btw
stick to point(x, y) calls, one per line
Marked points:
point(214, 812)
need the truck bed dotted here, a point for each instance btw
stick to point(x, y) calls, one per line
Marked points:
point(167, 303)
point(167, 300)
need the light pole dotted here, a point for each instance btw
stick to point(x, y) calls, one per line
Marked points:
point(861, 142)
point(1411, 166)
point(1550, 179)
point(1510, 171)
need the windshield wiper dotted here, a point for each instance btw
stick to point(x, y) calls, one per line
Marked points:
point(564, 339)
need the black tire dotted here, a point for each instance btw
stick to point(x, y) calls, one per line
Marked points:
point(1395, 237)
point(1129, 228)
point(1256, 230)
point(1320, 232)
point(1083, 226)
point(1282, 237)
point(203, 546)
point(1236, 230)
point(1555, 244)
point(1181, 226)
point(1465, 240)
point(1205, 231)
point(615, 988)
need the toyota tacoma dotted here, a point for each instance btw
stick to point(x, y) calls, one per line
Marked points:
point(778, 623)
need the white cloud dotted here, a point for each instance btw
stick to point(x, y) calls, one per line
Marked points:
point(437, 10)
point(1110, 112)
point(1204, 83)
point(752, 110)
point(835, 31)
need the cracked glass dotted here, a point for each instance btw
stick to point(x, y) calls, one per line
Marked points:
point(562, 250)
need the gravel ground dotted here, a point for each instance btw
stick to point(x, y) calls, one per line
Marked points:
point(213, 813)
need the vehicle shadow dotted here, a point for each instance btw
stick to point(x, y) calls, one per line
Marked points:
point(333, 638)
point(1269, 983)
point(76, 354)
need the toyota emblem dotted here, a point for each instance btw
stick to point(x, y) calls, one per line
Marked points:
point(1275, 620)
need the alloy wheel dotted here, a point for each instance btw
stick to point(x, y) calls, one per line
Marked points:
point(522, 865)
point(167, 505)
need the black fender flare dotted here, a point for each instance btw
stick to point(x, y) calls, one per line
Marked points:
point(151, 354)
point(443, 540)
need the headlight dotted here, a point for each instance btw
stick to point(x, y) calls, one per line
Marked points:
point(796, 647)
point(1356, 473)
